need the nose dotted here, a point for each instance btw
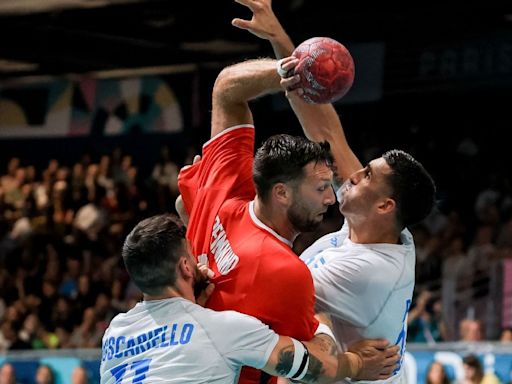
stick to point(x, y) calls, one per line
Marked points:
point(330, 198)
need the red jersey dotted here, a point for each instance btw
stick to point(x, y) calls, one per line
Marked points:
point(256, 271)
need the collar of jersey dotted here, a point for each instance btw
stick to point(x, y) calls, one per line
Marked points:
point(260, 224)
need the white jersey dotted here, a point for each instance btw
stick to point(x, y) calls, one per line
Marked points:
point(177, 341)
point(367, 288)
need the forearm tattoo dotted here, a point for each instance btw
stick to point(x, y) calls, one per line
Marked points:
point(315, 370)
point(285, 362)
point(326, 344)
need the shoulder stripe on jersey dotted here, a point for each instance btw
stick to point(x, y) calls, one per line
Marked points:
point(227, 130)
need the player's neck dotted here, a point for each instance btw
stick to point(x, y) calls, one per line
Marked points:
point(174, 291)
point(274, 218)
point(373, 233)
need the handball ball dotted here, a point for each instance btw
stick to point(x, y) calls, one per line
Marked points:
point(326, 70)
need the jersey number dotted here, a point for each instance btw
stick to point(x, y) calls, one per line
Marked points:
point(139, 367)
point(402, 336)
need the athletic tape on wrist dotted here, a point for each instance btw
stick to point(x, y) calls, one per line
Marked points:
point(300, 361)
point(280, 69)
point(323, 328)
point(355, 364)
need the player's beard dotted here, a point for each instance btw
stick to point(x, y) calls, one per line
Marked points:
point(200, 283)
point(300, 218)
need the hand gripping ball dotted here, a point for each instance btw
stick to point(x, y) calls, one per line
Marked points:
point(326, 70)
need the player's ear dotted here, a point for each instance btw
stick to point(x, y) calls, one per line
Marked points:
point(185, 267)
point(387, 205)
point(281, 193)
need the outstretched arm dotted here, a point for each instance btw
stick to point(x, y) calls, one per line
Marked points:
point(320, 362)
point(235, 86)
point(320, 122)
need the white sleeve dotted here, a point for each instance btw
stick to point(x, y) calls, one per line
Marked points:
point(243, 339)
point(312, 256)
point(351, 289)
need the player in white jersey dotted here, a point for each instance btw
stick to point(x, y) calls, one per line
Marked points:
point(364, 273)
point(367, 288)
point(168, 338)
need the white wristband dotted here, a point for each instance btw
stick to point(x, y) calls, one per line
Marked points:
point(322, 328)
point(280, 69)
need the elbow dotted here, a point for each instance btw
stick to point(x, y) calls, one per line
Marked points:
point(225, 81)
point(181, 210)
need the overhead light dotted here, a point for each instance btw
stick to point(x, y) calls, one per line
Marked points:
point(17, 66)
point(219, 46)
point(10, 7)
point(144, 71)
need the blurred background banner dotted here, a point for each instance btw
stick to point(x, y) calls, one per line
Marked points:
point(110, 107)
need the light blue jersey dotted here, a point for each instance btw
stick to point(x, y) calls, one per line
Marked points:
point(367, 288)
point(177, 341)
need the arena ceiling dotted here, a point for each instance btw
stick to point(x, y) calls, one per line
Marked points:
point(55, 37)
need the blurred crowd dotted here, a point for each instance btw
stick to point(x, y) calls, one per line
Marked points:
point(61, 229)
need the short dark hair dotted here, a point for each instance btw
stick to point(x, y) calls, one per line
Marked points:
point(151, 251)
point(474, 362)
point(412, 187)
point(281, 159)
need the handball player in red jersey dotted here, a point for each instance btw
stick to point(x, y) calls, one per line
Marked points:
point(245, 210)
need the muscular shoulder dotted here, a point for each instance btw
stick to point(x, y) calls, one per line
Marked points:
point(363, 261)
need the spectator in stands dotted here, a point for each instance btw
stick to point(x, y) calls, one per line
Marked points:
point(7, 335)
point(30, 332)
point(506, 335)
point(44, 375)
point(91, 219)
point(7, 374)
point(165, 178)
point(425, 320)
point(474, 372)
point(470, 330)
point(48, 302)
point(87, 334)
point(79, 376)
point(436, 374)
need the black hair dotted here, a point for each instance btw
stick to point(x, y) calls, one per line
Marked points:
point(473, 361)
point(281, 159)
point(413, 188)
point(151, 251)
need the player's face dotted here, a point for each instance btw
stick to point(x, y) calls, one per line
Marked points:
point(364, 189)
point(312, 197)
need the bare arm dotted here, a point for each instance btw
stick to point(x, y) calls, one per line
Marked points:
point(181, 210)
point(320, 122)
point(368, 360)
point(235, 86)
point(421, 303)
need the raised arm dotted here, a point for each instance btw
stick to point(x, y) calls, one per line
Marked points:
point(320, 122)
point(235, 86)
